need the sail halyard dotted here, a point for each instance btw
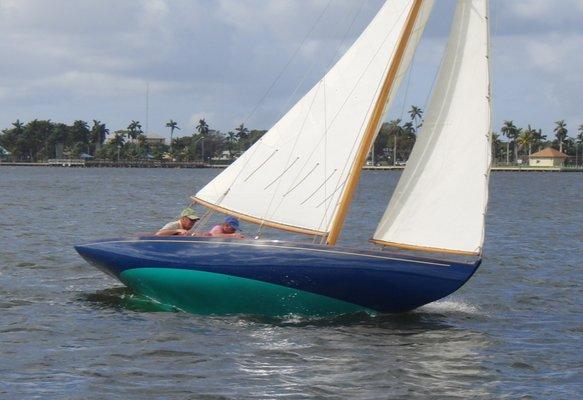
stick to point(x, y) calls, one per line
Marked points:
point(373, 126)
point(440, 201)
point(292, 178)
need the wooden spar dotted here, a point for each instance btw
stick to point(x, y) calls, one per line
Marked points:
point(258, 221)
point(425, 249)
point(373, 126)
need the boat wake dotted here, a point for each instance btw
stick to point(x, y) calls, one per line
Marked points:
point(450, 307)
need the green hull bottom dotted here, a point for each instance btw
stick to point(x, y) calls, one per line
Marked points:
point(206, 293)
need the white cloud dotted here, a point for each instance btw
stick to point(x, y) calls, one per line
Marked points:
point(64, 59)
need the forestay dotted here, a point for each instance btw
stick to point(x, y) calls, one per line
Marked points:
point(294, 176)
point(441, 198)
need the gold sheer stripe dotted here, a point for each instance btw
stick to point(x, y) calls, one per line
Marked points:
point(424, 249)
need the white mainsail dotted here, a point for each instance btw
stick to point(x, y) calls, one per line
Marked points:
point(440, 201)
point(295, 175)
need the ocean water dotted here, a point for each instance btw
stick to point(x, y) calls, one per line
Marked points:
point(67, 331)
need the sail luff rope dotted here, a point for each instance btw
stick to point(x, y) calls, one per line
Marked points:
point(489, 133)
point(379, 109)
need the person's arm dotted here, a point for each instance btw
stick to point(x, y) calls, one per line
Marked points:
point(171, 232)
point(172, 229)
point(228, 235)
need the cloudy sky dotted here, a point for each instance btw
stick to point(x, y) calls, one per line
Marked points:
point(93, 59)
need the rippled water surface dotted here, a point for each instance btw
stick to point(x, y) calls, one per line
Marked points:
point(68, 331)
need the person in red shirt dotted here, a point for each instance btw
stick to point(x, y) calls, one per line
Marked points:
point(228, 228)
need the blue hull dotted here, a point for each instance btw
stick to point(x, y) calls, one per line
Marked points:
point(369, 280)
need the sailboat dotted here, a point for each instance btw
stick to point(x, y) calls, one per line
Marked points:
point(301, 177)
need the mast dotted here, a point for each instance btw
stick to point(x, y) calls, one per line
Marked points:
point(373, 126)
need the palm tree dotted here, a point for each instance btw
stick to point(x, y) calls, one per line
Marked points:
point(19, 126)
point(539, 139)
point(395, 129)
point(134, 129)
point(561, 133)
point(526, 139)
point(98, 134)
point(530, 137)
point(416, 114)
point(511, 132)
point(579, 141)
point(231, 139)
point(495, 146)
point(202, 128)
point(172, 125)
point(243, 134)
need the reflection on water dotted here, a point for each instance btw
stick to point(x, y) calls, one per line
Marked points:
point(69, 331)
point(420, 349)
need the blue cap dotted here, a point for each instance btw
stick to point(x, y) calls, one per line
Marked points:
point(234, 222)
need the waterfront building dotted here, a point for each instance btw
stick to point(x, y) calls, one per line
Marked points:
point(548, 157)
point(154, 140)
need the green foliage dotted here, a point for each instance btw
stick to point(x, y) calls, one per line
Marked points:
point(39, 140)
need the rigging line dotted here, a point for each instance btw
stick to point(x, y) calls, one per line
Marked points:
point(380, 47)
point(341, 43)
point(204, 219)
point(255, 147)
point(261, 165)
point(397, 195)
point(435, 75)
point(333, 193)
point(282, 174)
point(325, 159)
point(330, 63)
point(323, 83)
point(416, 28)
point(325, 201)
point(408, 84)
point(409, 74)
point(302, 180)
point(358, 138)
point(319, 187)
point(296, 52)
point(265, 215)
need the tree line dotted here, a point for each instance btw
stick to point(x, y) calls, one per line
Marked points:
point(40, 140)
point(522, 142)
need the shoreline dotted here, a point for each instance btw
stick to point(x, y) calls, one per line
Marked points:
point(196, 165)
